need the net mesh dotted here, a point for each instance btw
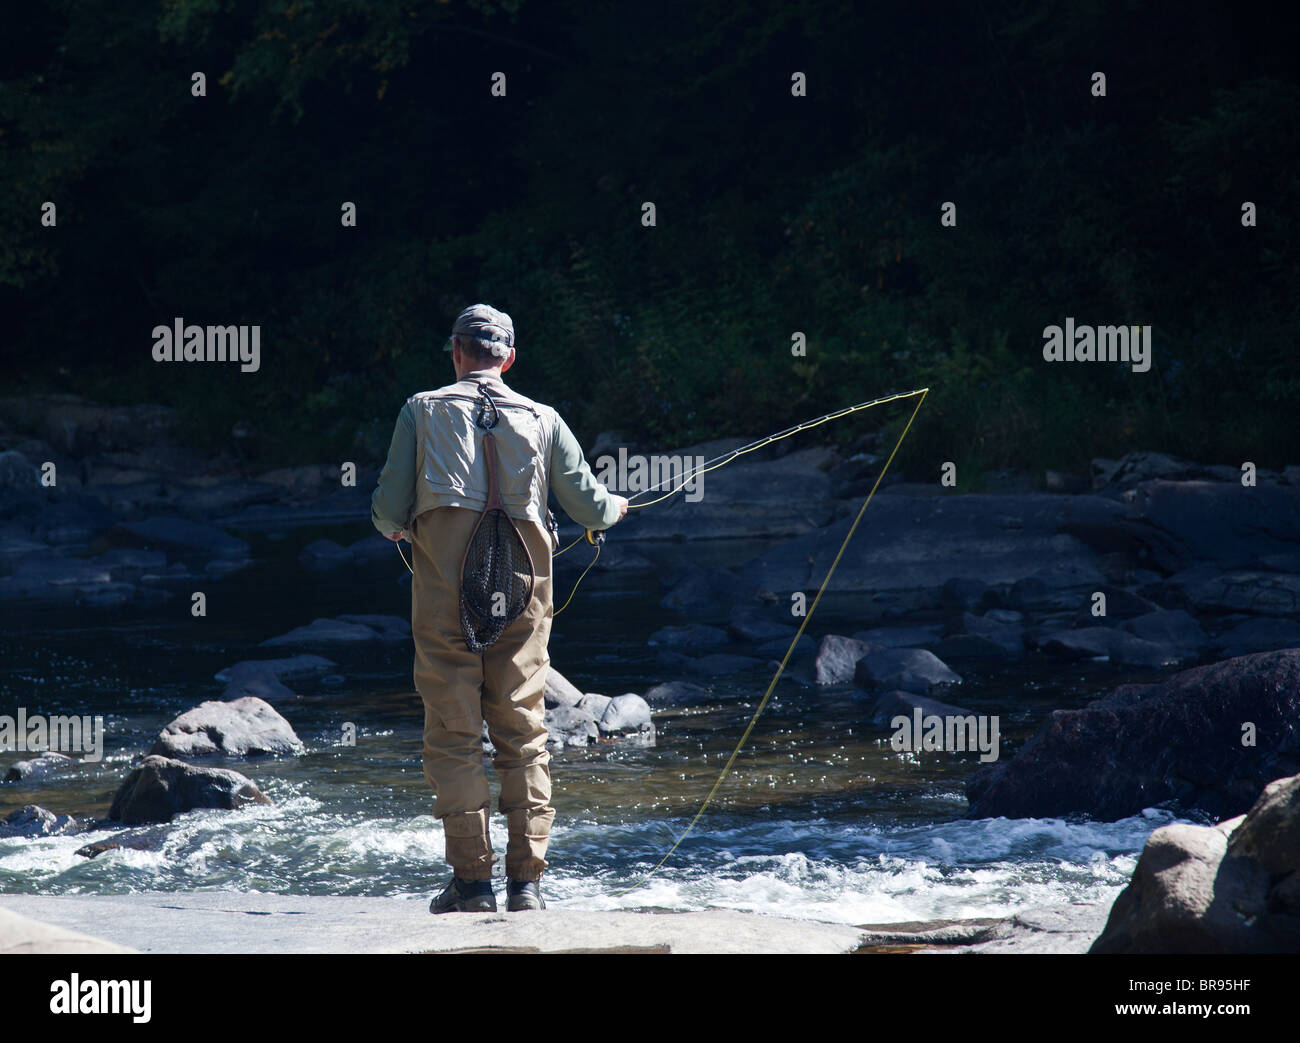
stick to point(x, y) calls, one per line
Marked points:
point(496, 573)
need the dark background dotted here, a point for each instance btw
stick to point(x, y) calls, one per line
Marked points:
point(775, 214)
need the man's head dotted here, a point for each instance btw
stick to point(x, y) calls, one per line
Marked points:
point(482, 338)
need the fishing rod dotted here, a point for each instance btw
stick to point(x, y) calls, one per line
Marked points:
point(597, 539)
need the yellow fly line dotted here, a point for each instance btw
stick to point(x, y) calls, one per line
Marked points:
point(919, 394)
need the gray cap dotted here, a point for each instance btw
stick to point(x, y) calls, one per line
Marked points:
point(486, 323)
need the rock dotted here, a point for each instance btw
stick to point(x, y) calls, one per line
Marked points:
point(1117, 646)
point(720, 663)
point(628, 717)
point(982, 637)
point(1223, 522)
point(389, 628)
point(17, 472)
point(325, 632)
point(961, 593)
point(1141, 466)
point(1056, 587)
point(289, 667)
point(750, 625)
point(34, 821)
point(1172, 627)
point(160, 788)
point(911, 669)
point(39, 768)
point(707, 593)
point(1178, 742)
point(678, 693)
point(594, 703)
point(696, 635)
point(184, 535)
point(900, 637)
point(1229, 888)
point(837, 658)
point(258, 686)
point(777, 647)
point(888, 705)
point(141, 838)
point(242, 728)
point(324, 554)
point(1259, 635)
point(559, 692)
point(1209, 589)
point(570, 726)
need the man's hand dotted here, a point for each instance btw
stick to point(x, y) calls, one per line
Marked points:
point(400, 535)
point(622, 506)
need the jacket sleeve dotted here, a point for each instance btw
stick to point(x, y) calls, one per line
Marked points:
point(583, 498)
point(394, 496)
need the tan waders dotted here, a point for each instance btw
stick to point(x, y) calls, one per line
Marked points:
point(503, 685)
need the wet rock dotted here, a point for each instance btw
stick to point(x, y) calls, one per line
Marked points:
point(161, 788)
point(241, 728)
point(324, 554)
point(1209, 589)
point(690, 635)
point(145, 838)
point(559, 691)
point(289, 667)
point(779, 646)
point(911, 669)
point(1229, 888)
point(707, 593)
point(837, 658)
point(1172, 627)
point(39, 768)
point(678, 693)
point(1223, 522)
point(1177, 742)
point(325, 632)
point(753, 625)
point(719, 664)
point(31, 820)
point(570, 726)
point(628, 717)
point(888, 705)
point(184, 535)
point(1259, 635)
point(1117, 646)
point(389, 628)
point(594, 703)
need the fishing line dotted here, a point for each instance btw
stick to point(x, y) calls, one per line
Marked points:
point(798, 634)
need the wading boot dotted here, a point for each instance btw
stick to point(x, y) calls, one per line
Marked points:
point(523, 895)
point(465, 896)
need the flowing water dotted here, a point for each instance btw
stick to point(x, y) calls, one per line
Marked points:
point(819, 818)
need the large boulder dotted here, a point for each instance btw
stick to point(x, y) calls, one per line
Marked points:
point(161, 788)
point(1229, 888)
point(34, 821)
point(241, 728)
point(570, 726)
point(560, 691)
point(837, 659)
point(627, 717)
point(1207, 739)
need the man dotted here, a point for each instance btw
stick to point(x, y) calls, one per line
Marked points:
point(432, 491)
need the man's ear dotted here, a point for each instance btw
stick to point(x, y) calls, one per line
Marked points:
point(510, 361)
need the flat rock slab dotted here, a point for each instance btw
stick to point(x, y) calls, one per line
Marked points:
point(223, 922)
point(22, 935)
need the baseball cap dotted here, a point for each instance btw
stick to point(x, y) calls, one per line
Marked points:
point(486, 323)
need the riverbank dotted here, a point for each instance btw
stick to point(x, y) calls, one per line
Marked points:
point(224, 922)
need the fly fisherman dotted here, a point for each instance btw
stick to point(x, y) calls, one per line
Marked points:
point(466, 484)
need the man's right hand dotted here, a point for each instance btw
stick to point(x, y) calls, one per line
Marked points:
point(622, 506)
